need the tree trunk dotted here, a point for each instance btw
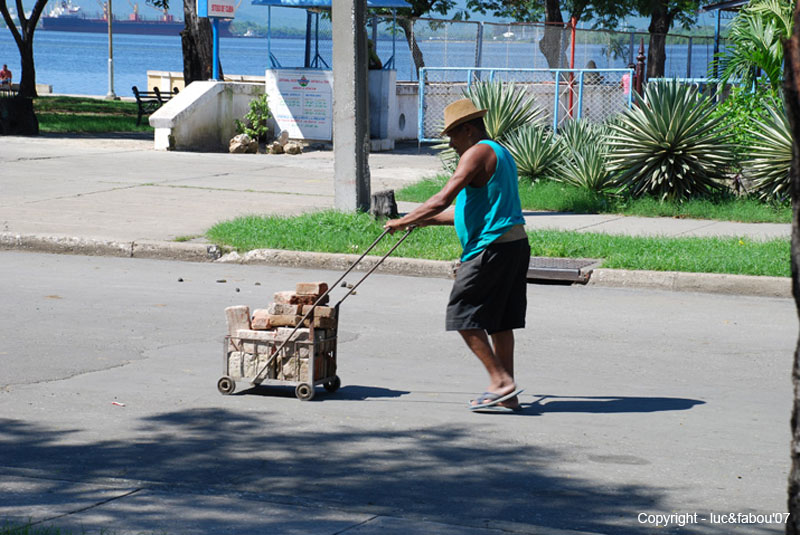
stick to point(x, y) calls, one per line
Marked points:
point(408, 29)
point(791, 85)
point(27, 82)
point(553, 43)
point(197, 44)
point(660, 23)
point(24, 39)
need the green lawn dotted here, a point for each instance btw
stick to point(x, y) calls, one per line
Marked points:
point(82, 115)
point(557, 197)
point(336, 232)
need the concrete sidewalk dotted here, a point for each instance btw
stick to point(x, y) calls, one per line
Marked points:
point(116, 195)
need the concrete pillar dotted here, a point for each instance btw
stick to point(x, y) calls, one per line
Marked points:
point(350, 105)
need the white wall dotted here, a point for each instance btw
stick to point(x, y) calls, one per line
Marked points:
point(201, 117)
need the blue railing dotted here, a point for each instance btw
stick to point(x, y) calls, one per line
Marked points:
point(574, 83)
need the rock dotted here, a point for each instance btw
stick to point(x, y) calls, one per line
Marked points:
point(284, 137)
point(292, 148)
point(275, 148)
point(243, 144)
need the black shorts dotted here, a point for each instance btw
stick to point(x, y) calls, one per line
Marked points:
point(490, 290)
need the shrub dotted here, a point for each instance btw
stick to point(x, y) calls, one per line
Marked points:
point(669, 145)
point(738, 111)
point(577, 134)
point(585, 161)
point(535, 151)
point(769, 158)
point(256, 121)
point(509, 107)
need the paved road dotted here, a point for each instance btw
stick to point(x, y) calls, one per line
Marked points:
point(637, 402)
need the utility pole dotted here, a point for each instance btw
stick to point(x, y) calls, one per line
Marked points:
point(350, 106)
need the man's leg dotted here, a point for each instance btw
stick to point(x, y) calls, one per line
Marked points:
point(500, 380)
point(503, 343)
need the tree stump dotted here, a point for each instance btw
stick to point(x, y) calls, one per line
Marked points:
point(382, 204)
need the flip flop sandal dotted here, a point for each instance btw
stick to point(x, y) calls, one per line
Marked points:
point(490, 399)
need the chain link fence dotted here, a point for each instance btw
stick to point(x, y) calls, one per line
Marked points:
point(562, 94)
point(402, 44)
point(439, 43)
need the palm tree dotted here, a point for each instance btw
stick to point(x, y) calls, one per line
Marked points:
point(757, 33)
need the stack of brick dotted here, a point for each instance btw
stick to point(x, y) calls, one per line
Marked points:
point(253, 339)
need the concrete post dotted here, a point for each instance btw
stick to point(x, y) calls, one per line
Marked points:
point(350, 105)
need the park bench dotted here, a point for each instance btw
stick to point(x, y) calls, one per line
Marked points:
point(149, 101)
point(9, 90)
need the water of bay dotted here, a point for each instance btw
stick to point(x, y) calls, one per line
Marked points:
point(77, 63)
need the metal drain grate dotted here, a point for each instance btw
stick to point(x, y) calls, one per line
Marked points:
point(561, 269)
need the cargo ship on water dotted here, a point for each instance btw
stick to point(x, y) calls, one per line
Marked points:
point(66, 17)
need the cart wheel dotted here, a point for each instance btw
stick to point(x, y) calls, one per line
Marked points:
point(304, 392)
point(226, 385)
point(333, 385)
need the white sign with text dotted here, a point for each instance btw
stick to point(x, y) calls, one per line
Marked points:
point(301, 102)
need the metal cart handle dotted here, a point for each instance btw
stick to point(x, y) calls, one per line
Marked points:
point(257, 379)
point(377, 264)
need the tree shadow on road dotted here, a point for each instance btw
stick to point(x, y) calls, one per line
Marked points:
point(436, 472)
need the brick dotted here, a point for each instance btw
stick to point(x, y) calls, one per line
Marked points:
point(295, 369)
point(321, 323)
point(284, 298)
point(249, 365)
point(238, 318)
point(235, 359)
point(291, 298)
point(284, 320)
point(320, 311)
point(260, 320)
point(302, 334)
point(310, 299)
point(311, 288)
point(263, 336)
point(280, 309)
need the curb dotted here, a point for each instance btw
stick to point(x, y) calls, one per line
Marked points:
point(191, 252)
point(676, 281)
point(412, 267)
point(714, 283)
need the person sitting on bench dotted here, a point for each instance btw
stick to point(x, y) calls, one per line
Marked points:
point(5, 77)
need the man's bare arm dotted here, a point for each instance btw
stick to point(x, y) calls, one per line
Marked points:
point(471, 166)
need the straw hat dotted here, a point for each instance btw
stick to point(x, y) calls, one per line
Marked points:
point(460, 112)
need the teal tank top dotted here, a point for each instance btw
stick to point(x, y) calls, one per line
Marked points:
point(484, 214)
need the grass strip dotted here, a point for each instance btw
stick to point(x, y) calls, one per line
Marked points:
point(556, 197)
point(338, 232)
point(79, 115)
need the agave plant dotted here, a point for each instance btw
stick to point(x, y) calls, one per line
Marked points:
point(509, 107)
point(669, 145)
point(535, 151)
point(769, 159)
point(585, 164)
point(577, 134)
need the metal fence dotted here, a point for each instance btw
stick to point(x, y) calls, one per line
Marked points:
point(537, 46)
point(448, 43)
point(562, 94)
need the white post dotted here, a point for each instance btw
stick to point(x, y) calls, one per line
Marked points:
point(110, 95)
point(350, 106)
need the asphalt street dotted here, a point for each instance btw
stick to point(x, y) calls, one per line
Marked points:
point(638, 403)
